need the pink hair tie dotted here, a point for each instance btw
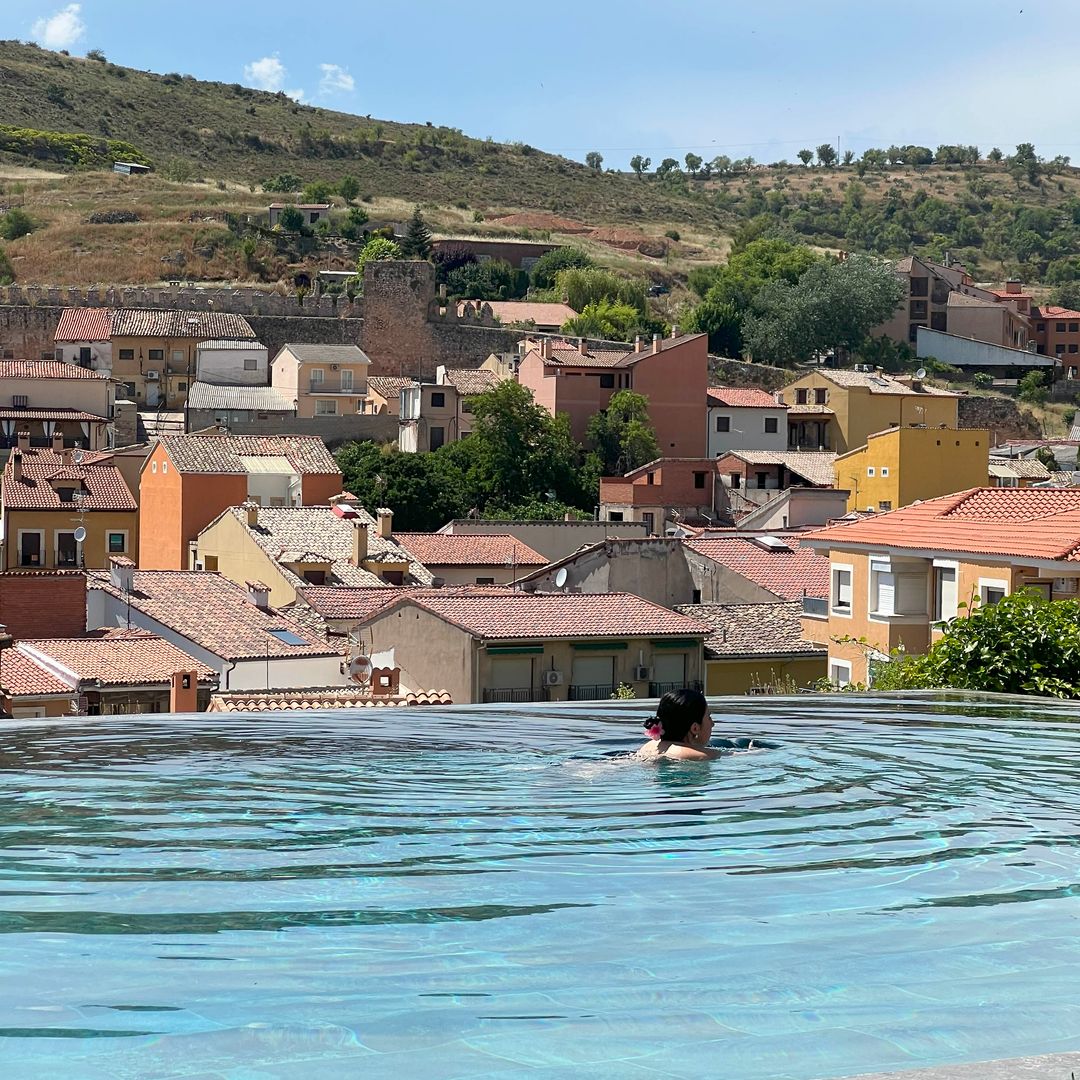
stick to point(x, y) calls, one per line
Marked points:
point(655, 731)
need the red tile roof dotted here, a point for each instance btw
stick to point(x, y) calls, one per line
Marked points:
point(307, 454)
point(21, 676)
point(1035, 523)
point(103, 484)
point(744, 631)
point(360, 604)
point(739, 397)
point(789, 574)
point(331, 697)
point(84, 324)
point(194, 325)
point(1053, 312)
point(209, 610)
point(469, 549)
point(74, 415)
point(115, 657)
point(469, 381)
point(45, 369)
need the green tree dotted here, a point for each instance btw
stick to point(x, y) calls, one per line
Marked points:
point(591, 285)
point(318, 191)
point(551, 262)
point(621, 436)
point(7, 274)
point(640, 164)
point(491, 280)
point(352, 227)
point(377, 249)
point(594, 159)
point(693, 164)
point(606, 319)
point(667, 167)
point(291, 220)
point(348, 188)
point(1032, 388)
point(283, 182)
point(826, 154)
point(849, 156)
point(805, 156)
point(721, 320)
point(417, 241)
point(995, 155)
point(1067, 295)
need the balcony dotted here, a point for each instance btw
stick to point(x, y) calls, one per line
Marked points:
point(596, 692)
point(516, 695)
point(659, 689)
point(336, 386)
point(817, 606)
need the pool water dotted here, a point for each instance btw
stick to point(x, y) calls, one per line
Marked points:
point(491, 893)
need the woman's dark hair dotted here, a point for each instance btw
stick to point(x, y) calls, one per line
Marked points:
point(677, 713)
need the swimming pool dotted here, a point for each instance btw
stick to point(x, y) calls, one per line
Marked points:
point(483, 893)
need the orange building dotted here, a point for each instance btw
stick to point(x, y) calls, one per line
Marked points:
point(579, 380)
point(188, 480)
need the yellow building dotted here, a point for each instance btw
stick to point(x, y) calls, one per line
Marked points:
point(839, 409)
point(50, 495)
point(898, 466)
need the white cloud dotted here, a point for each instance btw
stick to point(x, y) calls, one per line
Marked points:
point(266, 74)
point(62, 30)
point(335, 80)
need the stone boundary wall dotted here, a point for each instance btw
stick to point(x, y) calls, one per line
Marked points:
point(726, 372)
point(1004, 418)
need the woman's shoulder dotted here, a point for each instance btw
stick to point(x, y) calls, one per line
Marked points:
point(690, 753)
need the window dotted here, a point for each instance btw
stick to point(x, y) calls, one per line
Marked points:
point(315, 577)
point(649, 521)
point(736, 480)
point(699, 479)
point(607, 382)
point(696, 597)
point(181, 386)
point(918, 309)
point(316, 375)
point(870, 470)
point(129, 391)
point(992, 590)
point(1059, 348)
point(771, 425)
point(884, 470)
point(393, 577)
point(127, 354)
point(466, 407)
point(800, 395)
point(841, 590)
point(615, 515)
point(913, 332)
point(346, 380)
point(650, 478)
point(117, 542)
point(84, 356)
point(20, 401)
point(762, 479)
point(920, 286)
point(31, 546)
point(723, 423)
point(1074, 327)
point(839, 672)
point(939, 320)
point(437, 438)
point(882, 589)
point(438, 400)
point(251, 364)
point(945, 594)
point(884, 505)
point(821, 395)
point(67, 549)
point(178, 356)
point(210, 562)
point(1059, 327)
point(164, 466)
point(325, 407)
point(156, 354)
point(1073, 348)
point(153, 466)
point(1041, 327)
point(286, 637)
point(485, 581)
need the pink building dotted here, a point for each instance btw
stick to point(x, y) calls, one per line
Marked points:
point(671, 372)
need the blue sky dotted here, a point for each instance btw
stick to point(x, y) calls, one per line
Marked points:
point(762, 78)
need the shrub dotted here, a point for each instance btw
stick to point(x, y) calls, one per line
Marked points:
point(7, 274)
point(81, 150)
point(672, 234)
point(547, 267)
point(283, 182)
point(96, 54)
point(15, 223)
point(983, 379)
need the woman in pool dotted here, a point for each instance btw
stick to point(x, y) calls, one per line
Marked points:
point(680, 730)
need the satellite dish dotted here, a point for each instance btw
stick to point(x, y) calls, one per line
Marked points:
point(80, 535)
point(921, 373)
point(560, 577)
point(360, 670)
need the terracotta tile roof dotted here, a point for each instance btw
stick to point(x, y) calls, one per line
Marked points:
point(311, 698)
point(747, 631)
point(75, 415)
point(565, 354)
point(1021, 468)
point(197, 325)
point(739, 397)
point(307, 454)
point(313, 353)
point(469, 549)
point(21, 676)
point(202, 395)
point(508, 311)
point(810, 410)
point(46, 369)
point(115, 657)
point(103, 484)
point(388, 386)
point(813, 465)
point(361, 604)
point(546, 616)
point(471, 380)
point(789, 574)
point(296, 534)
point(84, 324)
point(209, 610)
point(1051, 311)
point(1004, 294)
point(880, 383)
point(1032, 522)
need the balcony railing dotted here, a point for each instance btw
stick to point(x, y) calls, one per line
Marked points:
point(659, 689)
point(815, 605)
point(335, 386)
point(517, 694)
point(596, 692)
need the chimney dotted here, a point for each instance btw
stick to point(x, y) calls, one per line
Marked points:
point(657, 344)
point(122, 573)
point(24, 441)
point(57, 442)
point(359, 543)
point(385, 518)
point(258, 594)
point(583, 346)
point(779, 395)
point(637, 343)
point(184, 692)
point(251, 509)
point(1014, 286)
point(16, 464)
point(545, 348)
point(675, 330)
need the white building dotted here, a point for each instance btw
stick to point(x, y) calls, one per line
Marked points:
point(742, 418)
point(232, 363)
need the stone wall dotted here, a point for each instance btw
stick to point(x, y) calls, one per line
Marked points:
point(1004, 418)
point(277, 330)
point(725, 372)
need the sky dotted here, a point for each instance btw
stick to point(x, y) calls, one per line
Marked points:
point(661, 78)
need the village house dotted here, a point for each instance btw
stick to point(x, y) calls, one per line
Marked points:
point(312, 213)
point(233, 630)
point(84, 338)
point(751, 478)
point(209, 405)
point(64, 508)
point(1016, 472)
point(232, 363)
point(384, 394)
point(990, 320)
point(745, 419)
point(849, 406)
point(1057, 334)
point(667, 489)
point(495, 559)
point(107, 672)
point(757, 648)
point(322, 380)
point(47, 397)
point(188, 480)
point(898, 466)
point(896, 579)
point(502, 646)
point(292, 547)
point(433, 414)
point(579, 380)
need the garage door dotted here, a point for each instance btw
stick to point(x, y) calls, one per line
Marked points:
point(593, 677)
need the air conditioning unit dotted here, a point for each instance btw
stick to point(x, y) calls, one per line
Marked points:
point(642, 673)
point(153, 375)
point(553, 678)
point(1065, 585)
point(334, 367)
